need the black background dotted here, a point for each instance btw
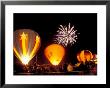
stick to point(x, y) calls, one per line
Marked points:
point(47, 24)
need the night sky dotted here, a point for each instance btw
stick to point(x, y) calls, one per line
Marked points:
point(46, 25)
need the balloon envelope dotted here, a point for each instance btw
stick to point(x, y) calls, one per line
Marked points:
point(54, 53)
point(26, 44)
point(84, 55)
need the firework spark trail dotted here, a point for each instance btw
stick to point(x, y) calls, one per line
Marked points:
point(66, 35)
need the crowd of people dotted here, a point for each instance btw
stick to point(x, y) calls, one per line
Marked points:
point(83, 68)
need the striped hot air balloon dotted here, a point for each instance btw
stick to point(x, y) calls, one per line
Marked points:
point(26, 44)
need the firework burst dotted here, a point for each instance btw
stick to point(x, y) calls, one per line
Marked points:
point(66, 35)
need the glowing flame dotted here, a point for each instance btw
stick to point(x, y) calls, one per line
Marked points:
point(54, 53)
point(25, 59)
point(26, 44)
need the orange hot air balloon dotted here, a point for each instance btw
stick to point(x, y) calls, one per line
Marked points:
point(84, 55)
point(26, 44)
point(54, 53)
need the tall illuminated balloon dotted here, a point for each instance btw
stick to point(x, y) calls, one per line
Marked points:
point(26, 44)
point(54, 53)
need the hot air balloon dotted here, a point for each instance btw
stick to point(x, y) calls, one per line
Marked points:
point(26, 44)
point(54, 53)
point(84, 55)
